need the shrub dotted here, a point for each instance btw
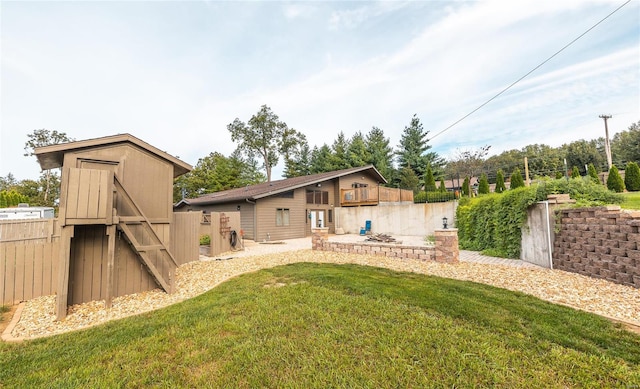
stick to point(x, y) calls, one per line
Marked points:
point(433, 197)
point(614, 181)
point(516, 179)
point(632, 177)
point(465, 187)
point(429, 180)
point(575, 173)
point(583, 190)
point(443, 187)
point(500, 182)
point(591, 170)
point(483, 186)
point(205, 240)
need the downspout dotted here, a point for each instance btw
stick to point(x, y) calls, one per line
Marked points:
point(546, 207)
point(255, 219)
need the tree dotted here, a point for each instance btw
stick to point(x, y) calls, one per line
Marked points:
point(41, 138)
point(468, 162)
point(516, 179)
point(500, 187)
point(614, 181)
point(429, 180)
point(412, 150)
point(581, 153)
point(357, 154)
point(409, 179)
point(443, 187)
point(632, 177)
point(624, 145)
point(380, 152)
point(575, 173)
point(215, 173)
point(320, 159)
point(265, 136)
point(593, 174)
point(339, 153)
point(296, 160)
point(465, 187)
point(483, 185)
point(7, 183)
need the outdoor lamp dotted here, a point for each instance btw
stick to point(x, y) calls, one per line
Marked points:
point(444, 222)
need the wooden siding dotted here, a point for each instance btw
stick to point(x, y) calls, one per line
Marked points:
point(32, 231)
point(27, 270)
point(266, 217)
point(246, 215)
point(89, 196)
point(185, 236)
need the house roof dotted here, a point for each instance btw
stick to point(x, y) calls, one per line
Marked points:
point(265, 189)
point(52, 156)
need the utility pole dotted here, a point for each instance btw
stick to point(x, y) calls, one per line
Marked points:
point(607, 146)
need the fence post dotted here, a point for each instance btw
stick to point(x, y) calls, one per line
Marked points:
point(447, 250)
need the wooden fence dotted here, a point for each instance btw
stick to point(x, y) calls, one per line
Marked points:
point(29, 254)
point(373, 195)
point(28, 259)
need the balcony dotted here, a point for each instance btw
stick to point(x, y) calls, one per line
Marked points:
point(373, 196)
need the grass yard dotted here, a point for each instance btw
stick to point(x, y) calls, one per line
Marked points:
point(631, 200)
point(315, 325)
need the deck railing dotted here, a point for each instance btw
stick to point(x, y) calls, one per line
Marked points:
point(373, 195)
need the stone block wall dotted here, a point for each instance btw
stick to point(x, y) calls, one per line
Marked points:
point(445, 250)
point(600, 242)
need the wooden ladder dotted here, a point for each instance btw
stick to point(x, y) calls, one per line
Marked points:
point(152, 242)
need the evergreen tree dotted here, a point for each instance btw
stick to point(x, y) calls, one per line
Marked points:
point(614, 181)
point(575, 173)
point(429, 180)
point(500, 187)
point(593, 174)
point(412, 148)
point(409, 180)
point(321, 159)
point(443, 188)
point(338, 156)
point(483, 185)
point(297, 163)
point(380, 152)
point(465, 187)
point(357, 154)
point(559, 175)
point(516, 179)
point(632, 177)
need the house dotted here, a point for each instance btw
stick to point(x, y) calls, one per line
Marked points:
point(115, 217)
point(289, 208)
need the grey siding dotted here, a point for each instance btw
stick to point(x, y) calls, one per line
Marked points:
point(266, 217)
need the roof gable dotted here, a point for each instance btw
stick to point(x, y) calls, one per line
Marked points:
point(52, 156)
point(266, 189)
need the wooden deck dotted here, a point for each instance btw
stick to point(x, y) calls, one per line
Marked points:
point(373, 196)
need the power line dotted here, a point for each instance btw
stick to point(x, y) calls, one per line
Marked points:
point(531, 71)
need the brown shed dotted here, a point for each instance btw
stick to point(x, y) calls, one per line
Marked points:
point(115, 217)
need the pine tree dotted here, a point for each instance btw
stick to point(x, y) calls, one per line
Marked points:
point(465, 187)
point(516, 179)
point(500, 187)
point(575, 173)
point(593, 174)
point(632, 177)
point(412, 148)
point(614, 181)
point(429, 180)
point(380, 152)
point(409, 180)
point(483, 185)
point(443, 187)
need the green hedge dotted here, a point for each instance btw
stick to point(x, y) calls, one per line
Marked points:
point(433, 197)
point(494, 222)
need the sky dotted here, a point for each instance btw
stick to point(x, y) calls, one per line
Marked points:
point(176, 73)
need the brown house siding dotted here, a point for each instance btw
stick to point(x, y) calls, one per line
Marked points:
point(266, 217)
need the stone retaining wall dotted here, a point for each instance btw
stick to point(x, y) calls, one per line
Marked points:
point(445, 250)
point(600, 242)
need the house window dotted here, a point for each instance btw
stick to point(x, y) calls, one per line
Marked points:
point(286, 195)
point(282, 216)
point(330, 215)
point(317, 197)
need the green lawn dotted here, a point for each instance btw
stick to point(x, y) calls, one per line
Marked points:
point(631, 200)
point(313, 325)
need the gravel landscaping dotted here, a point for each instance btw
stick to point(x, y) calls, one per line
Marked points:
point(615, 301)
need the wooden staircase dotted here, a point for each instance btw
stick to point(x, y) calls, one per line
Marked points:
point(140, 234)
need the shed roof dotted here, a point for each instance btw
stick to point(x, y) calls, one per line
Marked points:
point(265, 189)
point(52, 156)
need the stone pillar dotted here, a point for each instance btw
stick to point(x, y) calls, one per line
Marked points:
point(447, 250)
point(319, 236)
